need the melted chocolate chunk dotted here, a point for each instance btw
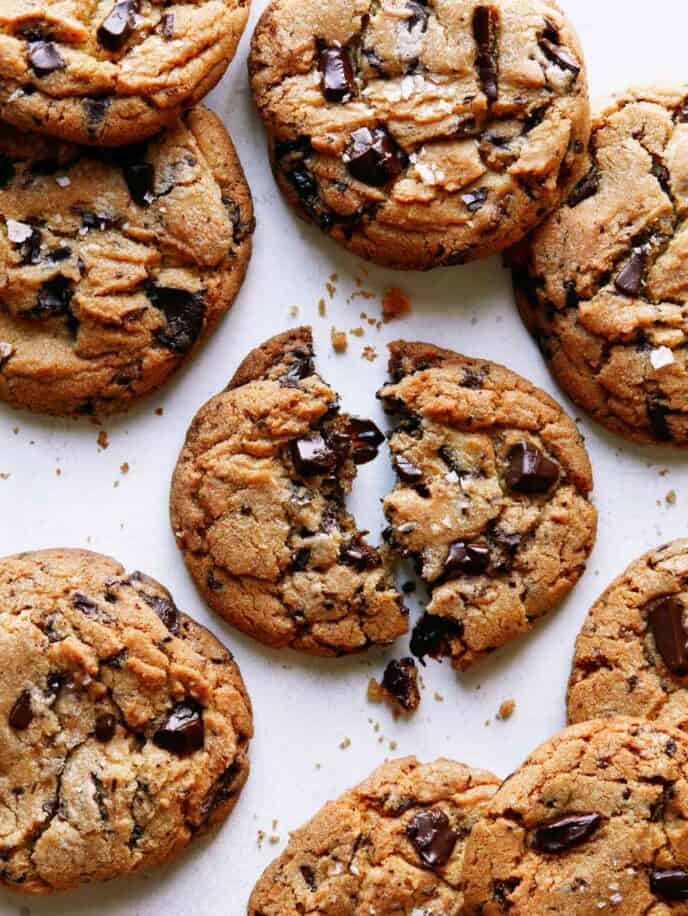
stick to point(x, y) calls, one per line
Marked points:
point(550, 44)
point(183, 732)
point(407, 470)
point(586, 187)
point(529, 471)
point(466, 560)
point(96, 109)
point(401, 681)
point(302, 367)
point(485, 35)
point(670, 883)
point(308, 875)
point(359, 555)
point(631, 280)
point(105, 728)
point(337, 79)
point(31, 249)
point(166, 610)
point(565, 832)
point(140, 179)
point(666, 621)
point(657, 414)
point(54, 298)
point(185, 313)
point(59, 254)
point(85, 605)
point(434, 839)
point(6, 170)
point(118, 25)
point(21, 714)
point(45, 58)
point(432, 636)
point(475, 200)
point(313, 456)
point(366, 439)
point(372, 156)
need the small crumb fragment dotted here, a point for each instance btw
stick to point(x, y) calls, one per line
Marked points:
point(5, 476)
point(331, 289)
point(356, 332)
point(294, 311)
point(392, 745)
point(159, 411)
point(399, 686)
point(339, 342)
point(343, 745)
point(124, 468)
point(438, 697)
point(103, 439)
point(369, 353)
point(395, 304)
point(671, 498)
point(506, 710)
point(322, 308)
point(274, 839)
point(260, 838)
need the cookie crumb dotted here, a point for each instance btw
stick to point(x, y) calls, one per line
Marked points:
point(339, 342)
point(438, 697)
point(395, 304)
point(506, 710)
point(103, 439)
point(331, 289)
point(671, 498)
point(294, 311)
point(356, 332)
point(5, 476)
point(322, 308)
point(399, 686)
point(274, 839)
point(369, 353)
point(159, 411)
point(343, 745)
point(124, 468)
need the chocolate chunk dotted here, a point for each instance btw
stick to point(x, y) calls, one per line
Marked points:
point(401, 681)
point(554, 52)
point(565, 832)
point(53, 682)
point(407, 470)
point(586, 187)
point(366, 439)
point(85, 605)
point(372, 156)
point(359, 555)
point(313, 456)
point(6, 170)
point(301, 560)
point(419, 15)
point(140, 179)
point(54, 298)
point(434, 839)
point(166, 610)
point(433, 635)
point(666, 620)
point(31, 249)
point(658, 413)
point(528, 470)
point(466, 560)
point(167, 22)
point(106, 725)
point(45, 58)
point(337, 79)
point(302, 367)
point(183, 732)
point(63, 253)
point(631, 280)
point(118, 25)
point(44, 166)
point(185, 313)
point(305, 186)
point(96, 109)
point(308, 875)
point(670, 883)
point(485, 36)
point(475, 200)
point(21, 714)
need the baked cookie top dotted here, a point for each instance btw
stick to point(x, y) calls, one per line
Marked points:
point(596, 820)
point(603, 285)
point(492, 500)
point(113, 263)
point(257, 507)
point(421, 134)
point(392, 846)
point(108, 73)
point(631, 656)
point(124, 724)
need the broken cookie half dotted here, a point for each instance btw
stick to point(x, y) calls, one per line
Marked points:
point(258, 509)
point(492, 501)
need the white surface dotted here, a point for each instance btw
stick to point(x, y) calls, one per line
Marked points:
point(305, 708)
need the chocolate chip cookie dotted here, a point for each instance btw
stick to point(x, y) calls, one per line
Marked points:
point(631, 656)
point(393, 845)
point(421, 134)
point(124, 724)
point(114, 262)
point(492, 500)
point(595, 821)
point(257, 508)
point(111, 73)
point(603, 283)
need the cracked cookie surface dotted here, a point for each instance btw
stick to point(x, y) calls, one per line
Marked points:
point(492, 500)
point(631, 656)
point(257, 508)
point(392, 846)
point(596, 820)
point(124, 724)
point(109, 73)
point(115, 262)
point(603, 285)
point(420, 134)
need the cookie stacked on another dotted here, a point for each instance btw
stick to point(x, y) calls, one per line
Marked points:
point(114, 260)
